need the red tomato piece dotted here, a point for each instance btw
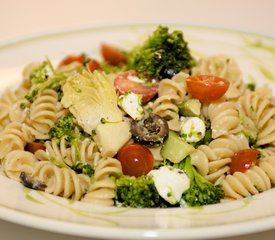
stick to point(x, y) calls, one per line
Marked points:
point(112, 55)
point(243, 159)
point(206, 88)
point(136, 160)
point(93, 65)
point(72, 58)
point(123, 84)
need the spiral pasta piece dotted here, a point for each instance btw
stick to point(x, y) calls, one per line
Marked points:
point(4, 115)
point(8, 105)
point(9, 97)
point(27, 71)
point(256, 107)
point(255, 180)
point(267, 151)
point(224, 67)
point(62, 182)
point(57, 153)
point(102, 190)
point(64, 153)
point(171, 92)
point(43, 113)
point(212, 160)
point(224, 118)
point(18, 113)
point(262, 113)
point(14, 137)
point(266, 92)
point(18, 161)
point(266, 135)
point(61, 111)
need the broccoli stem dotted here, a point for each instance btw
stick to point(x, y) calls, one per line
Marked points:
point(201, 191)
point(53, 83)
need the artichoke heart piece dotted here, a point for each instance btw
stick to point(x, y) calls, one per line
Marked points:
point(91, 98)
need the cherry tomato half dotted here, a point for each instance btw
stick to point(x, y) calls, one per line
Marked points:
point(112, 55)
point(136, 160)
point(206, 88)
point(93, 65)
point(72, 58)
point(243, 159)
point(123, 84)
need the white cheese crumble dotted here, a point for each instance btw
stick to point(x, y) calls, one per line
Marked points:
point(136, 79)
point(140, 80)
point(131, 104)
point(170, 183)
point(192, 129)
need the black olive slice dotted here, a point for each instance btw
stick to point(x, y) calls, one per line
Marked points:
point(167, 73)
point(151, 131)
point(31, 182)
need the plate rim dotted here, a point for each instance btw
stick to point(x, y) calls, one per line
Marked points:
point(85, 230)
point(74, 30)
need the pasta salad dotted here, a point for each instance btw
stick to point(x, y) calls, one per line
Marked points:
point(149, 127)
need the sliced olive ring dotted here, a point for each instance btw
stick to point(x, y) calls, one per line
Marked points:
point(31, 182)
point(151, 131)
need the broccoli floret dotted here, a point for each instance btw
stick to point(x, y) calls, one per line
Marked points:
point(201, 191)
point(137, 192)
point(67, 128)
point(45, 77)
point(64, 128)
point(41, 73)
point(52, 82)
point(162, 53)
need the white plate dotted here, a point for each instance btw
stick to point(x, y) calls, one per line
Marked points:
point(256, 57)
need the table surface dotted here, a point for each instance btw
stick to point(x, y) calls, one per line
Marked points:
point(24, 18)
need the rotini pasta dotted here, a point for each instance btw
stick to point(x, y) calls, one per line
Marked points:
point(256, 179)
point(61, 181)
point(4, 115)
point(64, 153)
point(212, 160)
point(224, 118)
point(9, 97)
point(11, 107)
point(18, 113)
point(43, 113)
point(18, 161)
point(171, 93)
point(102, 190)
point(14, 137)
point(267, 151)
point(261, 112)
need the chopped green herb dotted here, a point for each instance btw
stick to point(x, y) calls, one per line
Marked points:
point(23, 105)
point(83, 168)
point(251, 86)
point(42, 73)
